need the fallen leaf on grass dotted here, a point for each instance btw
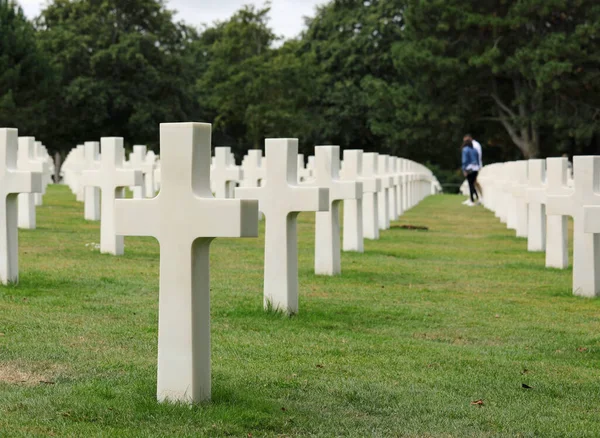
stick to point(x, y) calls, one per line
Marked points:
point(283, 409)
point(525, 386)
point(320, 366)
point(582, 349)
point(477, 402)
point(525, 371)
point(496, 316)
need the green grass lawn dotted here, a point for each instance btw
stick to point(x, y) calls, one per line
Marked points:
point(416, 329)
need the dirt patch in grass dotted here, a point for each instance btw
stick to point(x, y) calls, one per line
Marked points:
point(14, 375)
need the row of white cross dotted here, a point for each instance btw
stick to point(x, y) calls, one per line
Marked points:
point(535, 198)
point(185, 217)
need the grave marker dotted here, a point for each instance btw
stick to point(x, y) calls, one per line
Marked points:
point(280, 199)
point(185, 217)
point(586, 260)
point(12, 182)
point(112, 179)
point(354, 211)
point(327, 223)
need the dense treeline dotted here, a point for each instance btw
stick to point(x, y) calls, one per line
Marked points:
point(401, 76)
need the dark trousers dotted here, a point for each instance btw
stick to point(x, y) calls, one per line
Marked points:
point(471, 178)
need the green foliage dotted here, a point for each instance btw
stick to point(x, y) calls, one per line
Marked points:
point(122, 66)
point(25, 75)
point(407, 77)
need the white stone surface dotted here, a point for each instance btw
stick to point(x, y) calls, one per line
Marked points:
point(27, 162)
point(111, 178)
point(148, 169)
point(327, 223)
point(41, 155)
point(586, 262)
point(280, 200)
point(136, 162)
point(536, 205)
point(557, 249)
point(91, 202)
point(370, 163)
point(393, 190)
point(225, 174)
point(383, 196)
point(184, 218)
point(253, 169)
point(520, 169)
point(353, 230)
point(12, 182)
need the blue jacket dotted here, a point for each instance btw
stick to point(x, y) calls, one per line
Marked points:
point(469, 156)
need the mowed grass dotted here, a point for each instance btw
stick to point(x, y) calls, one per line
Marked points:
point(417, 328)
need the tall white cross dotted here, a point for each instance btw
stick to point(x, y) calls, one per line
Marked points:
point(586, 246)
point(137, 160)
point(26, 161)
point(281, 200)
point(520, 169)
point(353, 208)
point(224, 173)
point(253, 169)
point(399, 184)
point(12, 182)
point(536, 205)
point(148, 168)
point(111, 178)
point(387, 183)
point(394, 188)
point(328, 260)
point(40, 154)
point(185, 217)
point(557, 238)
point(91, 202)
point(370, 163)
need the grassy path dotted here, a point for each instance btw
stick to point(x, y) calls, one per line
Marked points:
point(414, 331)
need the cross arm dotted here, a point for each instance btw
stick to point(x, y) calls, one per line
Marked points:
point(127, 177)
point(137, 217)
point(591, 219)
point(22, 181)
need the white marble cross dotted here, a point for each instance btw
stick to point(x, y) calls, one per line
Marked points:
point(224, 173)
point(26, 161)
point(383, 201)
point(536, 205)
point(520, 169)
point(586, 247)
point(111, 178)
point(399, 180)
point(353, 208)
point(12, 182)
point(40, 154)
point(370, 163)
point(253, 169)
point(281, 200)
point(394, 188)
point(137, 162)
point(148, 169)
point(327, 223)
point(185, 217)
point(557, 240)
point(91, 202)
point(305, 174)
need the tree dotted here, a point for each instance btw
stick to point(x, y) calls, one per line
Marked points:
point(532, 66)
point(25, 75)
point(123, 69)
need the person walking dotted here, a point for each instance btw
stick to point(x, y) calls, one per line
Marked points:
point(470, 168)
point(477, 147)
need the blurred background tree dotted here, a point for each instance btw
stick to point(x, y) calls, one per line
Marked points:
point(408, 77)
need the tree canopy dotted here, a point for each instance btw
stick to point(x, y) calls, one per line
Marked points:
point(399, 76)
